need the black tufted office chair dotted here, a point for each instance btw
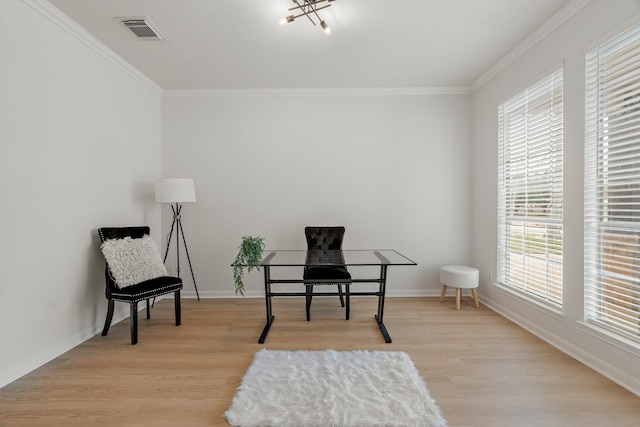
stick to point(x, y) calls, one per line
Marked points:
point(325, 243)
point(137, 292)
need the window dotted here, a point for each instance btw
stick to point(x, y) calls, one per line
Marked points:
point(530, 191)
point(612, 185)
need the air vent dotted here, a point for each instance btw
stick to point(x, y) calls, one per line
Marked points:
point(143, 28)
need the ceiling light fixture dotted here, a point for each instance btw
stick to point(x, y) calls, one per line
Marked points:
point(309, 8)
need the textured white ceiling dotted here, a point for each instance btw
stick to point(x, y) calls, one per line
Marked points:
point(238, 44)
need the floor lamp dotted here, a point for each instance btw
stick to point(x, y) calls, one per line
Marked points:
point(177, 191)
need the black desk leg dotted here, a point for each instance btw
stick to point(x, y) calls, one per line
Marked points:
point(379, 316)
point(267, 300)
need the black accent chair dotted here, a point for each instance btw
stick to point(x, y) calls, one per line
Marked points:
point(137, 292)
point(325, 243)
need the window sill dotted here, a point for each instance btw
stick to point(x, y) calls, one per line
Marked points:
point(531, 302)
point(611, 338)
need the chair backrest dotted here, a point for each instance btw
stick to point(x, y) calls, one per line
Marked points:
point(107, 233)
point(326, 238)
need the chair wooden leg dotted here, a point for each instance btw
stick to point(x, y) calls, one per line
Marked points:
point(444, 291)
point(148, 310)
point(107, 322)
point(176, 298)
point(475, 297)
point(134, 322)
point(308, 297)
point(458, 295)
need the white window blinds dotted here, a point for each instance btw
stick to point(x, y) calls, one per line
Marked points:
point(612, 185)
point(530, 191)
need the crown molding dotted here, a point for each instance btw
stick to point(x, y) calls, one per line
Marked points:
point(375, 91)
point(70, 26)
point(543, 31)
point(66, 23)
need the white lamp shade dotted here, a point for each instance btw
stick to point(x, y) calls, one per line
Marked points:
point(175, 190)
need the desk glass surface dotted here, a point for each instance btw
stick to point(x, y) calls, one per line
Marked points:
point(293, 258)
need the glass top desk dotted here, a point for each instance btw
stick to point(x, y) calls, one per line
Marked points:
point(345, 258)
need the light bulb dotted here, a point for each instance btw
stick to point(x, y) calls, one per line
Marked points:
point(325, 27)
point(287, 19)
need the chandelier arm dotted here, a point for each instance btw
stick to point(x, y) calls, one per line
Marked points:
point(308, 3)
point(316, 9)
point(309, 8)
point(320, 8)
point(304, 12)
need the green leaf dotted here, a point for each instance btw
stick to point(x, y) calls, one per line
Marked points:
point(249, 257)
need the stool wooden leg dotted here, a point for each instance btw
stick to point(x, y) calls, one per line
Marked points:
point(458, 294)
point(475, 297)
point(444, 290)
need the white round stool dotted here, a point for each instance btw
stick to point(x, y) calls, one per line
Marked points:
point(459, 277)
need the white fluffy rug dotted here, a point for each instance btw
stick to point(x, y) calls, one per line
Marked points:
point(333, 388)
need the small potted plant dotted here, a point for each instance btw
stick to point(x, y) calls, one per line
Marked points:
point(248, 258)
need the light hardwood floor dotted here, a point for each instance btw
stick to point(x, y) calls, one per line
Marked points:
point(481, 369)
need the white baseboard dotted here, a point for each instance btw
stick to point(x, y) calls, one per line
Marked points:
point(50, 353)
point(597, 364)
point(37, 360)
point(260, 294)
point(594, 363)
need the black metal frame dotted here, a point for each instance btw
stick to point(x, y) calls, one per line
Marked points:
point(177, 225)
point(269, 294)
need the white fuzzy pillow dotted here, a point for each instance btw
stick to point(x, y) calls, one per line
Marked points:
point(133, 261)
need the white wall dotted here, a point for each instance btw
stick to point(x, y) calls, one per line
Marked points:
point(80, 137)
point(568, 43)
point(80, 143)
point(394, 170)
